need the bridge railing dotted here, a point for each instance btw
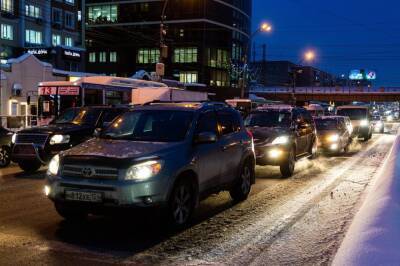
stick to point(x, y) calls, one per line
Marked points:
point(327, 90)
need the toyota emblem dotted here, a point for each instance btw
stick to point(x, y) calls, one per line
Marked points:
point(88, 172)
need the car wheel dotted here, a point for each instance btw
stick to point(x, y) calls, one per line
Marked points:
point(70, 214)
point(313, 150)
point(242, 187)
point(30, 166)
point(287, 168)
point(4, 156)
point(181, 204)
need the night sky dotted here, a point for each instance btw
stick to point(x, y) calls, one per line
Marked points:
point(347, 34)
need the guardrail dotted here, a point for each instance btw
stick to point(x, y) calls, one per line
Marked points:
point(328, 90)
point(374, 235)
point(18, 122)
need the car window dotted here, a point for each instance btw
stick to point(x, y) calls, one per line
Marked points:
point(110, 115)
point(207, 123)
point(229, 122)
point(87, 116)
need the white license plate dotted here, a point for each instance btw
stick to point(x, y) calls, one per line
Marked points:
point(83, 196)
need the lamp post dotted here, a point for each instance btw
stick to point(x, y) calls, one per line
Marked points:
point(264, 27)
point(308, 56)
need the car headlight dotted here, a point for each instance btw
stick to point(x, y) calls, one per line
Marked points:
point(333, 138)
point(379, 124)
point(54, 165)
point(143, 171)
point(364, 123)
point(14, 138)
point(281, 140)
point(59, 139)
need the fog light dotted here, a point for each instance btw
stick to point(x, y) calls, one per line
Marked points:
point(334, 147)
point(148, 200)
point(47, 190)
point(275, 153)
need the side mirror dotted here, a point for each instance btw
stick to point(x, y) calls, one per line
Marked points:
point(205, 138)
point(97, 132)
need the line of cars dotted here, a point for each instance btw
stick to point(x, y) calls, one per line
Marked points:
point(170, 155)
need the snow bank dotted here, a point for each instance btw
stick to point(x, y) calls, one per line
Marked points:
point(374, 235)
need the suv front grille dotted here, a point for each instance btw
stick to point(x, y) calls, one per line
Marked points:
point(89, 172)
point(39, 139)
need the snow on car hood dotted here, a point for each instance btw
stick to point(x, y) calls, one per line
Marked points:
point(120, 149)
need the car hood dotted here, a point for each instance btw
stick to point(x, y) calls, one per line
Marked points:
point(267, 134)
point(325, 133)
point(55, 129)
point(119, 149)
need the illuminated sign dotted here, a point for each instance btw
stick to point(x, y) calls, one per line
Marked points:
point(47, 90)
point(38, 51)
point(72, 54)
point(65, 91)
point(361, 74)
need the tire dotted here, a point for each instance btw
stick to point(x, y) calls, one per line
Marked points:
point(242, 187)
point(313, 150)
point(181, 204)
point(30, 166)
point(70, 214)
point(287, 168)
point(5, 156)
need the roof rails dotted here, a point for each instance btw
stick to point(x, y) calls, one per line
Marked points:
point(203, 103)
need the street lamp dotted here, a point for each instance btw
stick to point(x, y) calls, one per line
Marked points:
point(264, 27)
point(309, 56)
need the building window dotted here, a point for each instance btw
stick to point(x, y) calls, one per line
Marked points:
point(7, 6)
point(102, 14)
point(68, 42)
point(71, 2)
point(92, 57)
point(56, 39)
point(185, 55)
point(148, 56)
point(113, 57)
point(32, 11)
point(188, 76)
point(102, 57)
point(69, 20)
point(219, 78)
point(6, 32)
point(218, 58)
point(33, 37)
point(57, 15)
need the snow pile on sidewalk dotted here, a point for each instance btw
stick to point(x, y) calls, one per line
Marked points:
point(374, 235)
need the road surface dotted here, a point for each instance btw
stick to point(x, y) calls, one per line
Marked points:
point(298, 221)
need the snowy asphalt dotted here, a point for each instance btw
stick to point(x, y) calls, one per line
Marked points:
point(297, 221)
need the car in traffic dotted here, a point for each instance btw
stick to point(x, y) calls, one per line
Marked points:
point(360, 119)
point(167, 156)
point(333, 134)
point(282, 135)
point(378, 124)
point(5, 147)
point(34, 147)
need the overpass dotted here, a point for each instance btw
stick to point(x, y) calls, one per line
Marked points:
point(337, 94)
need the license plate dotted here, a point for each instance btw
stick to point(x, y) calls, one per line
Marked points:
point(24, 149)
point(83, 196)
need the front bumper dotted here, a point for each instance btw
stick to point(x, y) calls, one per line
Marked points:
point(114, 193)
point(271, 154)
point(362, 132)
point(32, 152)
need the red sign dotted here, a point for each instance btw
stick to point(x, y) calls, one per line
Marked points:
point(68, 91)
point(47, 90)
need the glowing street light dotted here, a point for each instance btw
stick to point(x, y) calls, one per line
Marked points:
point(309, 56)
point(266, 27)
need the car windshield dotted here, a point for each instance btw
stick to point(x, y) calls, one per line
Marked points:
point(67, 116)
point(87, 116)
point(324, 124)
point(149, 125)
point(354, 114)
point(269, 119)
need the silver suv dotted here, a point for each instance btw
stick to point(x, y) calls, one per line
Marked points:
point(160, 155)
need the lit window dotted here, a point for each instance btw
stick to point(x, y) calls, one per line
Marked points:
point(32, 11)
point(33, 37)
point(102, 57)
point(92, 57)
point(6, 32)
point(103, 13)
point(148, 56)
point(7, 6)
point(70, 2)
point(188, 76)
point(185, 55)
point(56, 39)
point(218, 58)
point(68, 42)
point(69, 20)
point(113, 57)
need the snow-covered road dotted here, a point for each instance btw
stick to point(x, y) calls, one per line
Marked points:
point(296, 221)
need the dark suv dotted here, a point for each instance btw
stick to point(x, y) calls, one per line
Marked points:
point(282, 134)
point(164, 155)
point(34, 147)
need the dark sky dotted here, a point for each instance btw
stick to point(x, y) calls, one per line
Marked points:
point(347, 34)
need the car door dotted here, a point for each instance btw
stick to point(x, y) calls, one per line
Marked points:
point(300, 132)
point(208, 156)
point(309, 129)
point(232, 144)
